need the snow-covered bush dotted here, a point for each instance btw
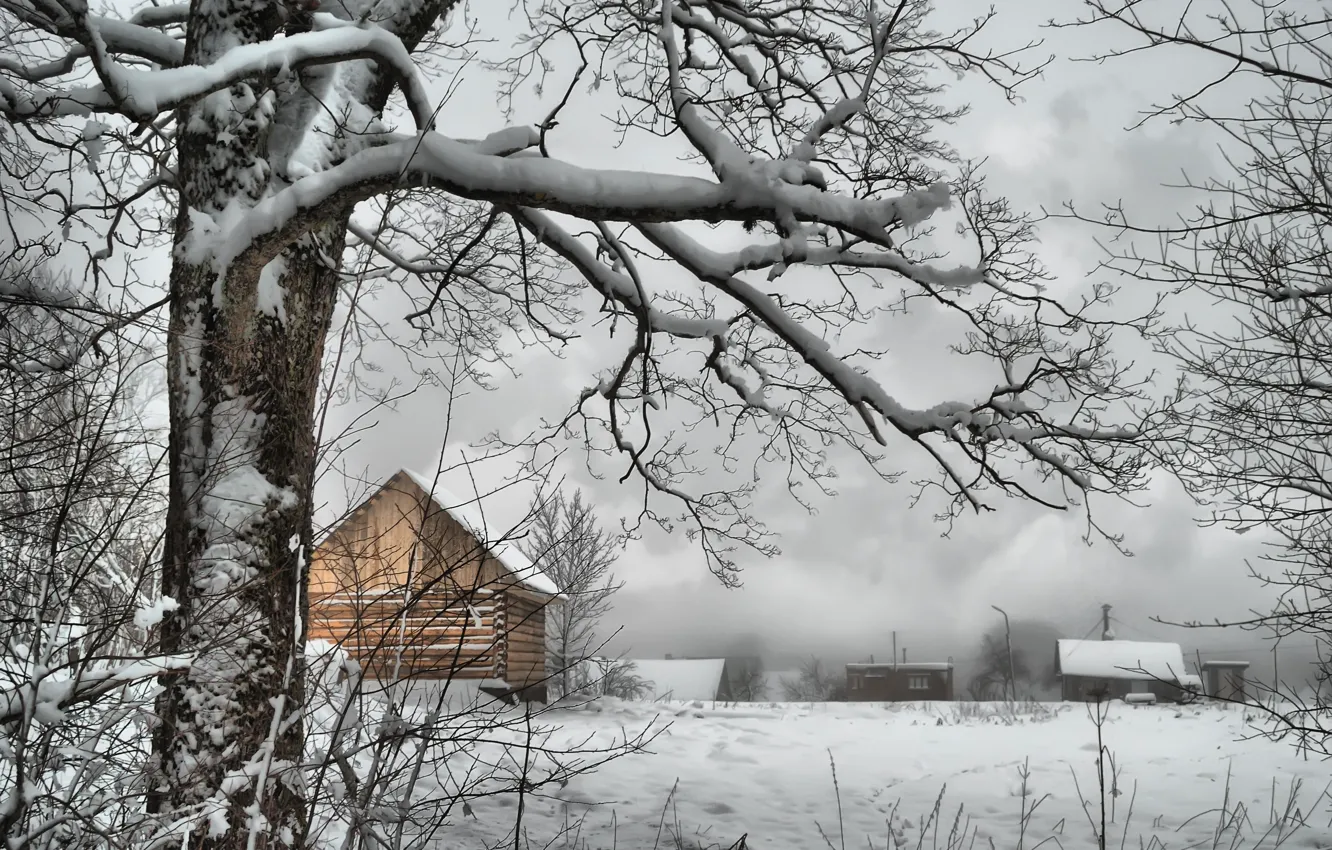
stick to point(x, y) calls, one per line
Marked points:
point(79, 525)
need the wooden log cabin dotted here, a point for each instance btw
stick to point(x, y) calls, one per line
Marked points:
point(415, 585)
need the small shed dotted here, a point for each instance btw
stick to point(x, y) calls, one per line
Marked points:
point(742, 678)
point(900, 682)
point(1090, 670)
point(414, 583)
point(684, 679)
point(1225, 679)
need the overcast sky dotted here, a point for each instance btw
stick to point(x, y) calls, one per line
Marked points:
point(865, 565)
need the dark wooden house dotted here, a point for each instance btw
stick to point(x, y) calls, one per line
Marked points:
point(1225, 679)
point(414, 585)
point(1094, 670)
point(901, 682)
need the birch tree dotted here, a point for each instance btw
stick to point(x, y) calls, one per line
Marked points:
point(568, 544)
point(274, 146)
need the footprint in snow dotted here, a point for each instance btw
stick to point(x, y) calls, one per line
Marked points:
point(721, 752)
point(718, 809)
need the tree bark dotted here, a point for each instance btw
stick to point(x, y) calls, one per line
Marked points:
point(243, 359)
point(243, 387)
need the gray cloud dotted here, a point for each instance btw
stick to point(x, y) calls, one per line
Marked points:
point(866, 564)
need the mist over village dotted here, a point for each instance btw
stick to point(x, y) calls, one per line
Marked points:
point(671, 424)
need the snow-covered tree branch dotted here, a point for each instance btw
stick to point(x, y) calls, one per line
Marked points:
point(285, 154)
point(80, 525)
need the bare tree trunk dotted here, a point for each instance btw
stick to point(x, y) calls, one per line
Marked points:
point(244, 350)
point(243, 383)
point(243, 390)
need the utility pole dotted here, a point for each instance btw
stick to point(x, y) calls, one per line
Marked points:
point(1008, 648)
point(904, 655)
point(894, 649)
point(1276, 669)
point(1106, 632)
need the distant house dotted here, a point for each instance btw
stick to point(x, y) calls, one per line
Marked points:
point(684, 679)
point(1225, 679)
point(901, 682)
point(1090, 670)
point(414, 584)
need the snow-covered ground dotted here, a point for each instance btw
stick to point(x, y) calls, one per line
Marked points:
point(1186, 777)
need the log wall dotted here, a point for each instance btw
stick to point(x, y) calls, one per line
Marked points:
point(403, 585)
point(430, 636)
point(525, 624)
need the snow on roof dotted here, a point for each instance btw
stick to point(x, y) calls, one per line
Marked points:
point(910, 667)
point(1221, 663)
point(682, 679)
point(1121, 659)
point(469, 515)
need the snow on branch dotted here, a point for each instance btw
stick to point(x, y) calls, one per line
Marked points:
point(773, 255)
point(612, 284)
point(92, 322)
point(125, 38)
point(468, 171)
point(861, 391)
point(51, 695)
point(161, 16)
point(144, 95)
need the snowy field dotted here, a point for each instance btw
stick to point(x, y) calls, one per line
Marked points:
point(919, 776)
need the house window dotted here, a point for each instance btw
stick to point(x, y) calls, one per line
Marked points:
point(855, 683)
point(918, 683)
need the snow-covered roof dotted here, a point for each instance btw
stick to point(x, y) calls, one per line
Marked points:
point(468, 514)
point(1211, 662)
point(909, 666)
point(1121, 659)
point(682, 679)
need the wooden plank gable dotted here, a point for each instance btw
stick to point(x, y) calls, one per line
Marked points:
point(403, 585)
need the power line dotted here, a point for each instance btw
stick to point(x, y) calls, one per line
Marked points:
point(1094, 627)
point(1208, 650)
point(1259, 651)
point(1135, 629)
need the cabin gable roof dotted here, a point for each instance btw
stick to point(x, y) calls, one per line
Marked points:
point(470, 517)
